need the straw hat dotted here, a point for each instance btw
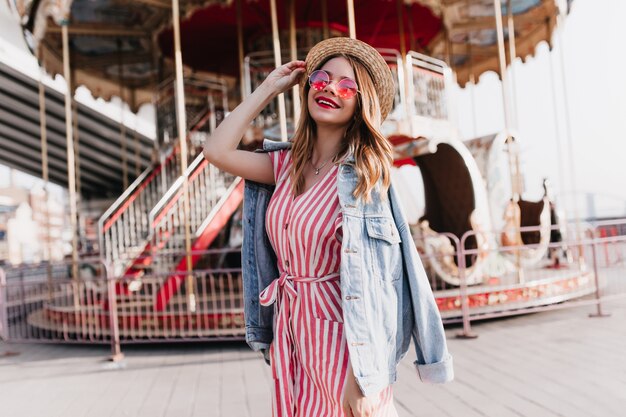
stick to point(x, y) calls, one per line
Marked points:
point(364, 53)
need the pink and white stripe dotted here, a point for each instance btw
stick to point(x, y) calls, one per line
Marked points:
point(309, 355)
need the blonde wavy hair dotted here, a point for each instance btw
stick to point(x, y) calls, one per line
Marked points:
point(373, 154)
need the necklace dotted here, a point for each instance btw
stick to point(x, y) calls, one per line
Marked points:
point(317, 170)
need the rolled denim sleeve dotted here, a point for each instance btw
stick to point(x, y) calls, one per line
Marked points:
point(436, 373)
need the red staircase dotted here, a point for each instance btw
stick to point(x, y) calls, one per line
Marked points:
point(128, 241)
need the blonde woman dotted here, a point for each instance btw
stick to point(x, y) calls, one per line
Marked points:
point(334, 290)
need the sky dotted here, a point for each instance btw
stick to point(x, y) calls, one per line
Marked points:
point(592, 39)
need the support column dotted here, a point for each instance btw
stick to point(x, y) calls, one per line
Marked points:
point(472, 78)
point(513, 209)
point(278, 62)
point(240, 52)
point(293, 46)
point(43, 131)
point(404, 72)
point(506, 100)
point(497, 6)
point(512, 57)
point(123, 150)
point(181, 120)
point(69, 143)
point(325, 30)
point(561, 13)
point(351, 25)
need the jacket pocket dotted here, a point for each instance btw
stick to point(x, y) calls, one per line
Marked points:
point(382, 228)
point(385, 255)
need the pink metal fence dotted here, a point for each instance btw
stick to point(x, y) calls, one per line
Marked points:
point(43, 303)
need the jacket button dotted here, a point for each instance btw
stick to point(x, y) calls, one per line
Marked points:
point(287, 262)
point(286, 224)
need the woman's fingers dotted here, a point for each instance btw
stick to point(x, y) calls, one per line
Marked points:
point(295, 63)
point(296, 75)
point(285, 76)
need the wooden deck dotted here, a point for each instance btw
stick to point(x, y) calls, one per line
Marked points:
point(559, 363)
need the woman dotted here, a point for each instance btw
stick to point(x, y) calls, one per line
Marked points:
point(335, 342)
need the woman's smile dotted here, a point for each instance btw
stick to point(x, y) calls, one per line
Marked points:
point(326, 103)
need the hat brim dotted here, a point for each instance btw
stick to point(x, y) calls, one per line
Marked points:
point(371, 59)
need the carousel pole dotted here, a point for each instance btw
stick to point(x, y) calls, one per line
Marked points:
point(560, 17)
point(156, 67)
point(403, 54)
point(44, 173)
point(133, 101)
point(120, 66)
point(76, 158)
point(351, 25)
point(401, 34)
point(502, 63)
point(512, 57)
point(505, 98)
point(447, 47)
point(557, 128)
point(325, 30)
point(511, 148)
point(412, 44)
point(182, 137)
point(242, 71)
point(69, 141)
point(44, 137)
point(472, 78)
point(293, 46)
point(277, 62)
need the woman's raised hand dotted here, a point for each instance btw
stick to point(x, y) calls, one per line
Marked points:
point(285, 76)
point(220, 149)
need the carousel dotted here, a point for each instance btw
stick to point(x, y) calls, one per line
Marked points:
point(170, 242)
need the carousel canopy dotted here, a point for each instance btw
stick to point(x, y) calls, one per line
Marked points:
point(99, 138)
point(130, 43)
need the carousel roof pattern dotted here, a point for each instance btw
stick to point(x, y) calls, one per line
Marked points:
point(115, 42)
point(99, 138)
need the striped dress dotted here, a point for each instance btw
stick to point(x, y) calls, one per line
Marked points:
point(309, 354)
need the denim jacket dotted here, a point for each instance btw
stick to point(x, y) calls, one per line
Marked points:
point(386, 295)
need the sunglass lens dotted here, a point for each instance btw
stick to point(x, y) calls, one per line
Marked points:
point(346, 88)
point(318, 80)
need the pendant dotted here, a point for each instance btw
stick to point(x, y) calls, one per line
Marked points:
point(317, 171)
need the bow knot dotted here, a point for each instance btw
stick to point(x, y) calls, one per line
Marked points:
point(269, 295)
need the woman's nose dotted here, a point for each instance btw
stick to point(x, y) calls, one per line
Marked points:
point(329, 89)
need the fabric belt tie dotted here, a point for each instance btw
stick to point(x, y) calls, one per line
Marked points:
point(285, 281)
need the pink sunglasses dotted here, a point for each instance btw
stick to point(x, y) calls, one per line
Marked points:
point(346, 88)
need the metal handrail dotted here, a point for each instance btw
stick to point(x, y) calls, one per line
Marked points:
point(124, 227)
point(429, 62)
point(436, 76)
point(204, 180)
point(115, 238)
point(156, 212)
